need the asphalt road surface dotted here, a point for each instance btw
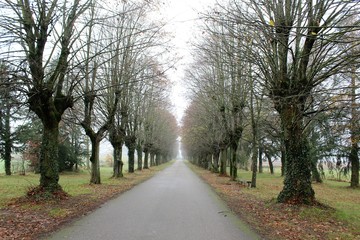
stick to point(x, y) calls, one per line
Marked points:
point(173, 205)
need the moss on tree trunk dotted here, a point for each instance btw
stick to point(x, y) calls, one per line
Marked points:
point(49, 167)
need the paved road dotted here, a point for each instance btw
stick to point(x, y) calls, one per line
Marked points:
point(173, 205)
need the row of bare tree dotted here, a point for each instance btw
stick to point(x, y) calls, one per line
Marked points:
point(92, 63)
point(276, 78)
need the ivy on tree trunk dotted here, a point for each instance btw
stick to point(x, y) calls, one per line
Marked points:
point(297, 183)
point(49, 168)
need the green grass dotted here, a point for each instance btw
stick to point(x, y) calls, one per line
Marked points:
point(337, 195)
point(58, 212)
point(16, 185)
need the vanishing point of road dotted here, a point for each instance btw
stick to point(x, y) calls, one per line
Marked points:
point(173, 205)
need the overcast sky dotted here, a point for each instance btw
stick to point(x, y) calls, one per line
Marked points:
point(181, 16)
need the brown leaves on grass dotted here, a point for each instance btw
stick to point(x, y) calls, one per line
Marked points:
point(31, 217)
point(278, 221)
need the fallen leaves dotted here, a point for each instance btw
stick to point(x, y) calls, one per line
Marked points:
point(30, 217)
point(278, 221)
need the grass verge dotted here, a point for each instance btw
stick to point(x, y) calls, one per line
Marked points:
point(24, 219)
point(337, 218)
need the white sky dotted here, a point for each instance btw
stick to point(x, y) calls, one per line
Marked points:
point(181, 16)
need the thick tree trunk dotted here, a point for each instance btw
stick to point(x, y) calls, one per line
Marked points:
point(49, 167)
point(118, 163)
point(297, 183)
point(146, 159)
point(139, 152)
point(131, 156)
point(130, 142)
point(116, 138)
point(49, 109)
point(95, 162)
point(223, 160)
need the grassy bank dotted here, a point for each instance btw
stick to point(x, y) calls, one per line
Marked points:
point(337, 218)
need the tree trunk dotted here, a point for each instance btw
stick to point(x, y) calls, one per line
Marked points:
point(233, 173)
point(208, 159)
point(271, 166)
point(315, 172)
point(215, 164)
point(87, 153)
point(116, 138)
point(354, 160)
point(152, 159)
point(139, 152)
point(157, 159)
point(131, 156)
point(254, 159)
point(130, 142)
point(223, 158)
point(260, 159)
point(7, 141)
point(283, 158)
point(49, 109)
point(49, 168)
point(146, 158)
point(355, 136)
point(95, 162)
point(118, 163)
point(297, 183)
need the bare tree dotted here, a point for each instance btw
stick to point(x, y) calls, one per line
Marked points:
point(296, 47)
point(41, 38)
point(98, 102)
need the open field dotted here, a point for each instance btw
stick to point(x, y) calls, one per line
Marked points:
point(338, 216)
